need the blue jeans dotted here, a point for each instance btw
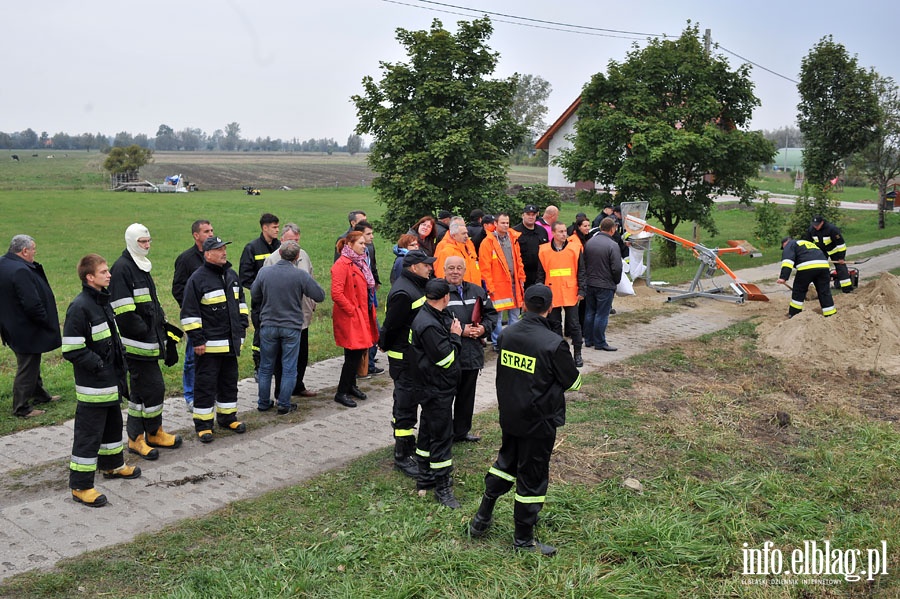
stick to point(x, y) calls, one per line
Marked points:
point(187, 375)
point(596, 316)
point(271, 339)
point(514, 316)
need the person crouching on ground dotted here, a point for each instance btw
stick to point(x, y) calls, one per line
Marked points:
point(91, 343)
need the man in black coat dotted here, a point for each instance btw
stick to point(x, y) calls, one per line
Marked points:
point(29, 322)
point(531, 238)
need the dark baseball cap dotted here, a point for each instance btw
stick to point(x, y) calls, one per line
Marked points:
point(817, 219)
point(529, 208)
point(442, 214)
point(487, 219)
point(214, 243)
point(539, 297)
point(436, 289)
point(417, 257)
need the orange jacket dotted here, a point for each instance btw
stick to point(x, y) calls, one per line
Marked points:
point(575, 240)
point(561, 272)
point(497, 273)
point(450, 247)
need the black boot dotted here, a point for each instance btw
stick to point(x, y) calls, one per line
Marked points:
point(425, 478)
point(484, 517)
point(403, 460)
point(443, 492)
point(525, 541)
point(579, 361)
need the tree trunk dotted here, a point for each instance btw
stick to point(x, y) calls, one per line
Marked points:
point(882, 204)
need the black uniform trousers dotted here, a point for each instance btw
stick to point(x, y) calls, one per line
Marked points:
point(525, 462)
point(147, 393)
point(464, 403)
point(257, 325)
point(97, 444)
point(843, 276)
point(302, 363)
point(215, 390)
point(573, 324)
point(821, 278)
point(406, 403)
point(435, 442)
point(28, 387)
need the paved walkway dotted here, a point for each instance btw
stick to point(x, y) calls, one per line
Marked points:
point(40, 524)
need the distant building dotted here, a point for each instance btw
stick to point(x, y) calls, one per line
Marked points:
point(555, 140)
point(788, 159)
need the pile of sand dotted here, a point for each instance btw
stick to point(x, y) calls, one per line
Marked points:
point(864, 334)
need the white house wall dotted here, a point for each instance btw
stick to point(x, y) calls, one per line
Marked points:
point(555, 176)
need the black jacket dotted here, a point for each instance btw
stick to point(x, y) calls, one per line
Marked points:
point(214, 312)
point(403, 302)
point(29, 322)
point(829, 240)
point(253, 257)
point(534, 370)
point(471, 355)
point(602, 262)
point(436, 352)
point(138, 312)
point(91, 343)
point(530, 242)
point(185, 264)
point(801, 254)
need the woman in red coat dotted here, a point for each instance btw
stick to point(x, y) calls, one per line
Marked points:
point(353, 314)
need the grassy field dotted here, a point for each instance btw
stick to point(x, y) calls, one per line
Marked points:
point(717, 469)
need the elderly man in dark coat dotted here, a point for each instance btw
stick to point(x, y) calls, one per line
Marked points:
point(29, 322)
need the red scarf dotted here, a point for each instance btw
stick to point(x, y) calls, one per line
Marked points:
point(363, 264)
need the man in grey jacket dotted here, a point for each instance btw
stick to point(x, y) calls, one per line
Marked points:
point(279, 291)
point(603, 271)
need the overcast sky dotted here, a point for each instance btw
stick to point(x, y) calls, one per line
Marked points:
point(287, 68)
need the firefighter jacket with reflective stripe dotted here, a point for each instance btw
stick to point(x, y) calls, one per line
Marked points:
point(436, 352)
point(138, 313)
point(91, 343)
point(403, 303)
point(499, 276)
point(562, 270)
point(253, 257)
point(471, 355)
point(802, 255)
point(450, 247)
point(829, 240)
point(214, 312)
point(534, 370)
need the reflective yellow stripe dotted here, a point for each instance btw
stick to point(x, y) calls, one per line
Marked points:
point(576, 385)
point(422, 452)
point(217, 346)
point(560, 272)
point(504, 304)
point(95, 394)
point(397, 355)
point(796, 304)
point(213, 297)
point(122, 306)
point(444, 464)
point(403, 432)
point(418, 303)
point(813, 264)
point(446, 362)
point(261, 256)
point(83, 467)
point(523, 499)
point(502, 474)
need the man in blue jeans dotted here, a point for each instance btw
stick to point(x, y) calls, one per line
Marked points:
point(279, 291)
point(603, 271)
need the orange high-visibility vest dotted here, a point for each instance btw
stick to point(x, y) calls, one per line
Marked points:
point(561, 272)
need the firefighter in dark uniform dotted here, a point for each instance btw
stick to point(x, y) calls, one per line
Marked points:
point(147, 338)
point(464, 297)
point(91, 343)
point(403, 302)
point(812, 267)
point(829, 239)
point(534, 370)
point(252, 260)
point(436, 345)
point(215, 315)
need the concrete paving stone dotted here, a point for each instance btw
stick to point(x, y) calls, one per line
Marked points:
point(20, 551)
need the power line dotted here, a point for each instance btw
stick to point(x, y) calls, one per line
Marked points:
point(461, 14)
point(570, 28)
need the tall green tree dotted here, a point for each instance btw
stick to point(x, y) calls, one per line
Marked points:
point(123, 160)
point(354, 144)
point(665, 126)
point(232, 139)
point(838, 109)
point(441, 126)
point(879, 161)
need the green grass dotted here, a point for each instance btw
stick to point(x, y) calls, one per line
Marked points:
point(716, 474)
point(783, 184)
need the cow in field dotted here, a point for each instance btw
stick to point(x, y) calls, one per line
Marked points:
point(15, 157)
